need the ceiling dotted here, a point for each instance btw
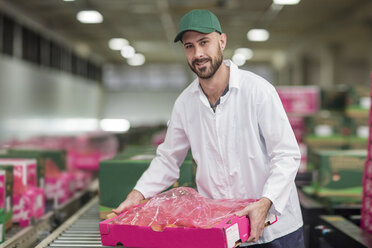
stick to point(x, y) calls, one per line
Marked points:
point(150, 25)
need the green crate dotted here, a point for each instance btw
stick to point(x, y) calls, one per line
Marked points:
point(118, 177)
point(339, 169)
point(57, 156)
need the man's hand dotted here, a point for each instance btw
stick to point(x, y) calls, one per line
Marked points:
point(257, 213)
point(133, 199)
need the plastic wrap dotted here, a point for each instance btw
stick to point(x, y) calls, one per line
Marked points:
point(181, 207)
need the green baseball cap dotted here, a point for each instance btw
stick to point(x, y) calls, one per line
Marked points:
point(199, 20)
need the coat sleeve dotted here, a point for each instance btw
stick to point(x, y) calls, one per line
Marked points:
point(282, 149)
point(164, 169)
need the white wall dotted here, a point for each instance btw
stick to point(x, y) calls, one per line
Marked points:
point(140, 107)
point(28, 91)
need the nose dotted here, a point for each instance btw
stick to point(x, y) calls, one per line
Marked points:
point(198, 52)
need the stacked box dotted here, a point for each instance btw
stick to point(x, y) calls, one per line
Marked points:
point(40, 163)
point(338, 173)
point(118, 177)
point(326, 130)
point(366, 218)
point(299, 100)
point(54, 162)
point(57, 157)
point(358, 102)
point(8, 203)
point(2, 225)
point(24, 176)
point(359, 131)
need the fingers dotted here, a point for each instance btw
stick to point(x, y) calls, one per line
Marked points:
point(120, 209)
point(133, 198)
point(255, 232)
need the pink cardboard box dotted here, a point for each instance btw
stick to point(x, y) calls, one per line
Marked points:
point(60, 188)
point(22, 210)
point(226, 234)
point(24, 174)
point(2, 189)
point(37, 198)
point(299, 100)
point(81, 160)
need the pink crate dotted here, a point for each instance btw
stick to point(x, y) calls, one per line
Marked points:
point(59, 188)
point(81, 179)
point(80, 160)
point(368, 187)
point(37, 197)
point(366, 220)
point(298, 126)
point(225, 234)
point(299, 100)
point(22, 210)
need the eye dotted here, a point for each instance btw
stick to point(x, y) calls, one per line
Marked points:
point(203, 42)
point(187, 46)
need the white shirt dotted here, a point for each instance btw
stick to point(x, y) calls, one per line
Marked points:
point(246, 149)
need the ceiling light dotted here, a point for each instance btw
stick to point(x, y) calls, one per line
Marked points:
point(117, 43)
point(127, 51)
point(238, 59)
point(246, 52)
point(137, 60)
point(258, 35)
point(68, 0)
point(286, 2)
point(89, 16)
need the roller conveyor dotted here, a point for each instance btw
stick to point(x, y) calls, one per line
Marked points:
point(80, 230)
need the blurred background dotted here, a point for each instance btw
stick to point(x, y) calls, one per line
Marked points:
point(59, 74)
point(87, 89)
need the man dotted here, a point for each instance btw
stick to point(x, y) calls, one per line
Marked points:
point(239, 135)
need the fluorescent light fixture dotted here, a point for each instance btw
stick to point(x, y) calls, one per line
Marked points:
point(117, 43)
point(53, 126)
point(246, 52)
point(127, 51)
point(258, 35)
point(137, 60)
point(89, 16)
point(238, 59)
point(115, 125)
point(68, 0)
point(286, 2)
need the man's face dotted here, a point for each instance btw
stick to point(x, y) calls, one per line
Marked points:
point(204, 52)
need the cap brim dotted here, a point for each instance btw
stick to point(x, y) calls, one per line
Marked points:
point(198, 29)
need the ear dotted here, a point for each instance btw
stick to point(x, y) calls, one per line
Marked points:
point(222, 41)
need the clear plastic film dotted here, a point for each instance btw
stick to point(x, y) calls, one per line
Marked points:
point(181, 207)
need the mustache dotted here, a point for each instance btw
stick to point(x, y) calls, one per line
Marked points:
point(200, 60)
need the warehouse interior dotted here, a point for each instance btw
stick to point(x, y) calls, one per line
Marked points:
point(103, 91)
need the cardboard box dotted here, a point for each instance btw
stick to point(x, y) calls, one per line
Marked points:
point(84, 161)
point(8, 205)
point(60, 188)
point(25, 171)
point(24, 176)
point(2, 226)
point(299, 100)
point(40, 163)
point(339, 169)
point(226, 234)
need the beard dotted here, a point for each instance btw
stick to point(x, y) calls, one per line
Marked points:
point(207, 72)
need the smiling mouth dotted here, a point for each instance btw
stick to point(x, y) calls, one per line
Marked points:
point(201, 63)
